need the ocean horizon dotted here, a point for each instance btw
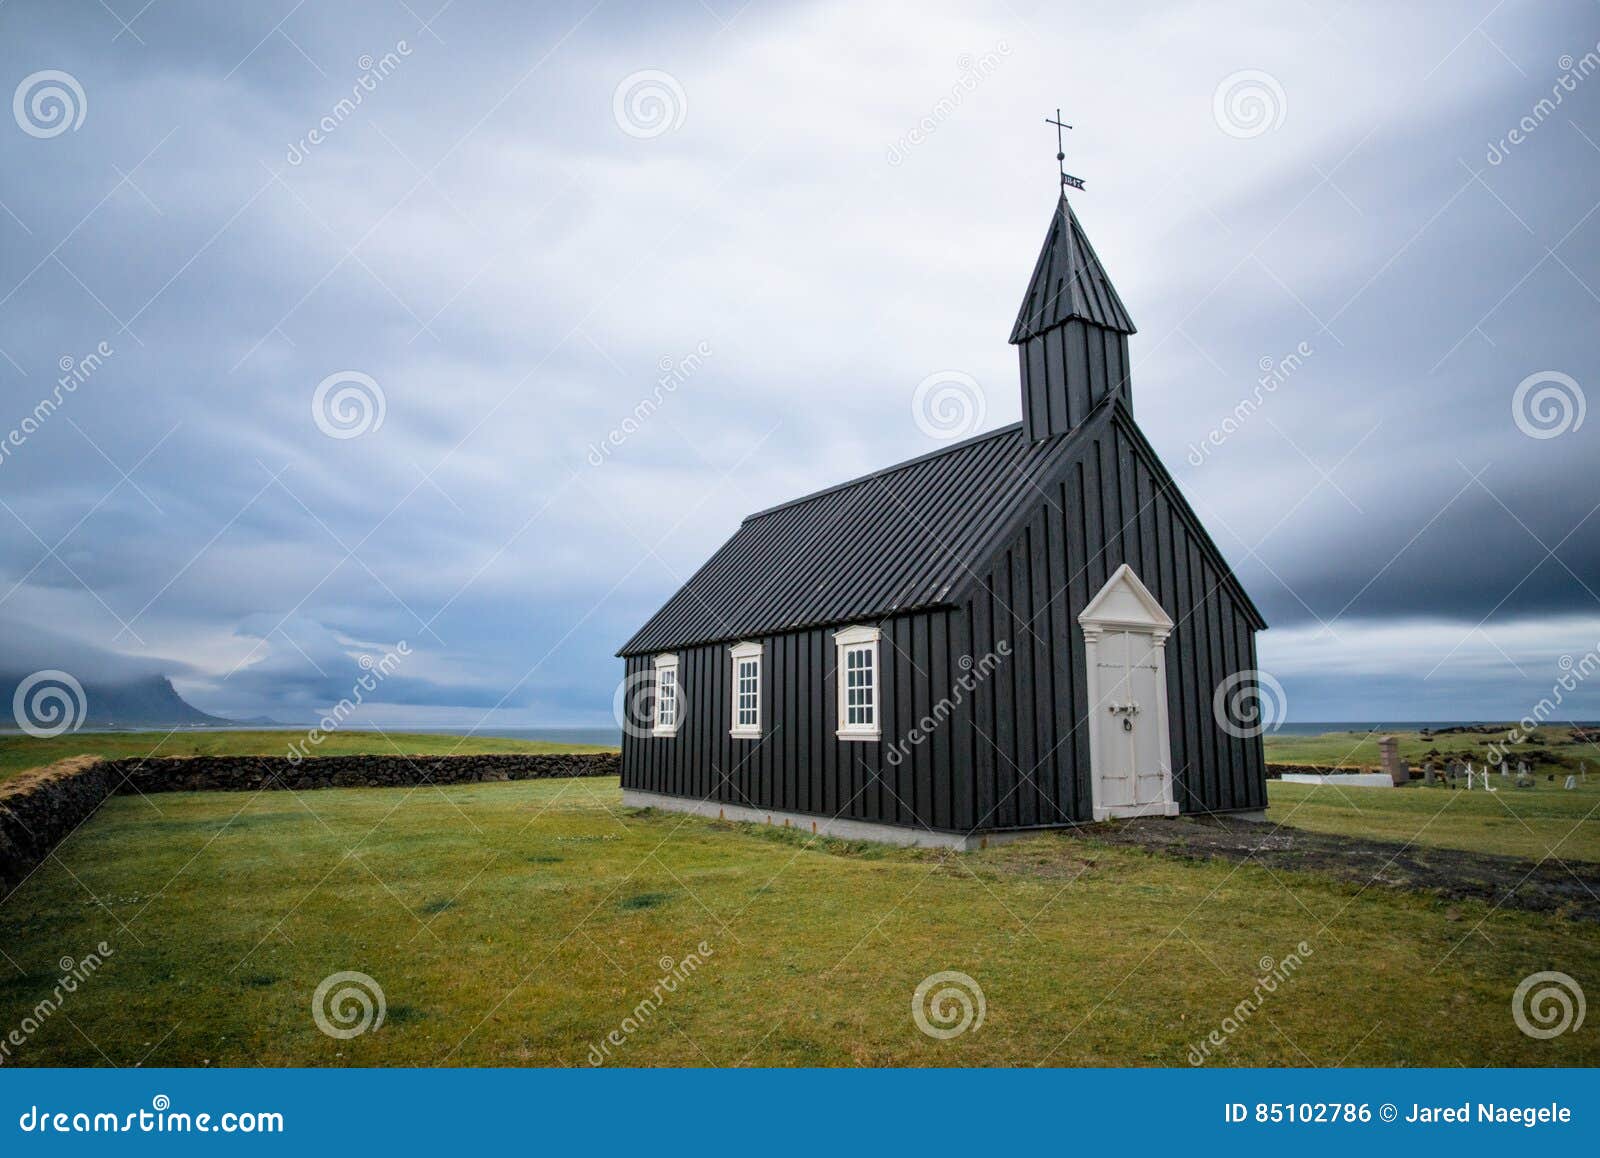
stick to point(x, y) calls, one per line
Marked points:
point(612, 736)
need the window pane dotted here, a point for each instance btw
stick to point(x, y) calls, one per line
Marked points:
point(748, 688)
point(858, 679)
point(667, 697)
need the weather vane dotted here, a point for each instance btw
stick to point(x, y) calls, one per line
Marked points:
point(1067, 179)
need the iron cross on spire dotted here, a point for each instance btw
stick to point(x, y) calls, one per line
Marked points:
point(1067, 179)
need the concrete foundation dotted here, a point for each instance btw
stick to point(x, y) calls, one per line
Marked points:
point(838, 827)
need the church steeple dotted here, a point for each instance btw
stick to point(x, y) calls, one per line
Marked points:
point(1071, 333)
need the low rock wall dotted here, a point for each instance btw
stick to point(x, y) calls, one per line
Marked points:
point(41, 808)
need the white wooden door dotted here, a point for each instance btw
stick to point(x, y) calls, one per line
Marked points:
point(1131, 772)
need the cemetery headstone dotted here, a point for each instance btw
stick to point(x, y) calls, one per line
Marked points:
point(1389, 760)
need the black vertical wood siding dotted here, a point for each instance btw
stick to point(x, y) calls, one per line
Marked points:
point(1066, 371)
point(1112, 506)
point(799, 764)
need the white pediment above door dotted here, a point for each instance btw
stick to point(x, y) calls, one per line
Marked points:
point(1126, 602)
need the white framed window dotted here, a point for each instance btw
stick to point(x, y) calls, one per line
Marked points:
point(669, 698)
point(858, 679)
point(746, 689)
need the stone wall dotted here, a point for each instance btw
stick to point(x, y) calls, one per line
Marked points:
point(40, 808)
point(253, 773)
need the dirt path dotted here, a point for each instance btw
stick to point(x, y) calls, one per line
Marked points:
point(1570, 890)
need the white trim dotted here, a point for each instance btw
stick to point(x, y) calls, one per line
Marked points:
point(745, 652)
point(667, 662)
point(846, 640)
point(1146, 615)
point(849, 635)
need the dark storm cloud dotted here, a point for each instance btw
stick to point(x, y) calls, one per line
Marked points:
point(479, 235)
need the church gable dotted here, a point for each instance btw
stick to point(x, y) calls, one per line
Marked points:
point(1108, 504)
point(1120, 493)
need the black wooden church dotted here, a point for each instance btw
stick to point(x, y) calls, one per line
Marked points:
point(1023, 630)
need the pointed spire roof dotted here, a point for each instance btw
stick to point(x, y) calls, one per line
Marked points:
point(1068, 282)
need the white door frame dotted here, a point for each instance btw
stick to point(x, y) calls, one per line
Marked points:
point(1125, 604)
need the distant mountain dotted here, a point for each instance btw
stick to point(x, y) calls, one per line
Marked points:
point(148, 701)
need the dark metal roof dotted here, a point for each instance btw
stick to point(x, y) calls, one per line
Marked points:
point(1068, 282)
point(895, 540)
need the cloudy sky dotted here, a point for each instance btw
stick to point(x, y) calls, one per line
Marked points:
point(355, 301)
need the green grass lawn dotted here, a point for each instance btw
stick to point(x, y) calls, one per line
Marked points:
point(19, 752)
point(1545, 820)
point(520, 923)
point(1355, 750)
point(1529, 822)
